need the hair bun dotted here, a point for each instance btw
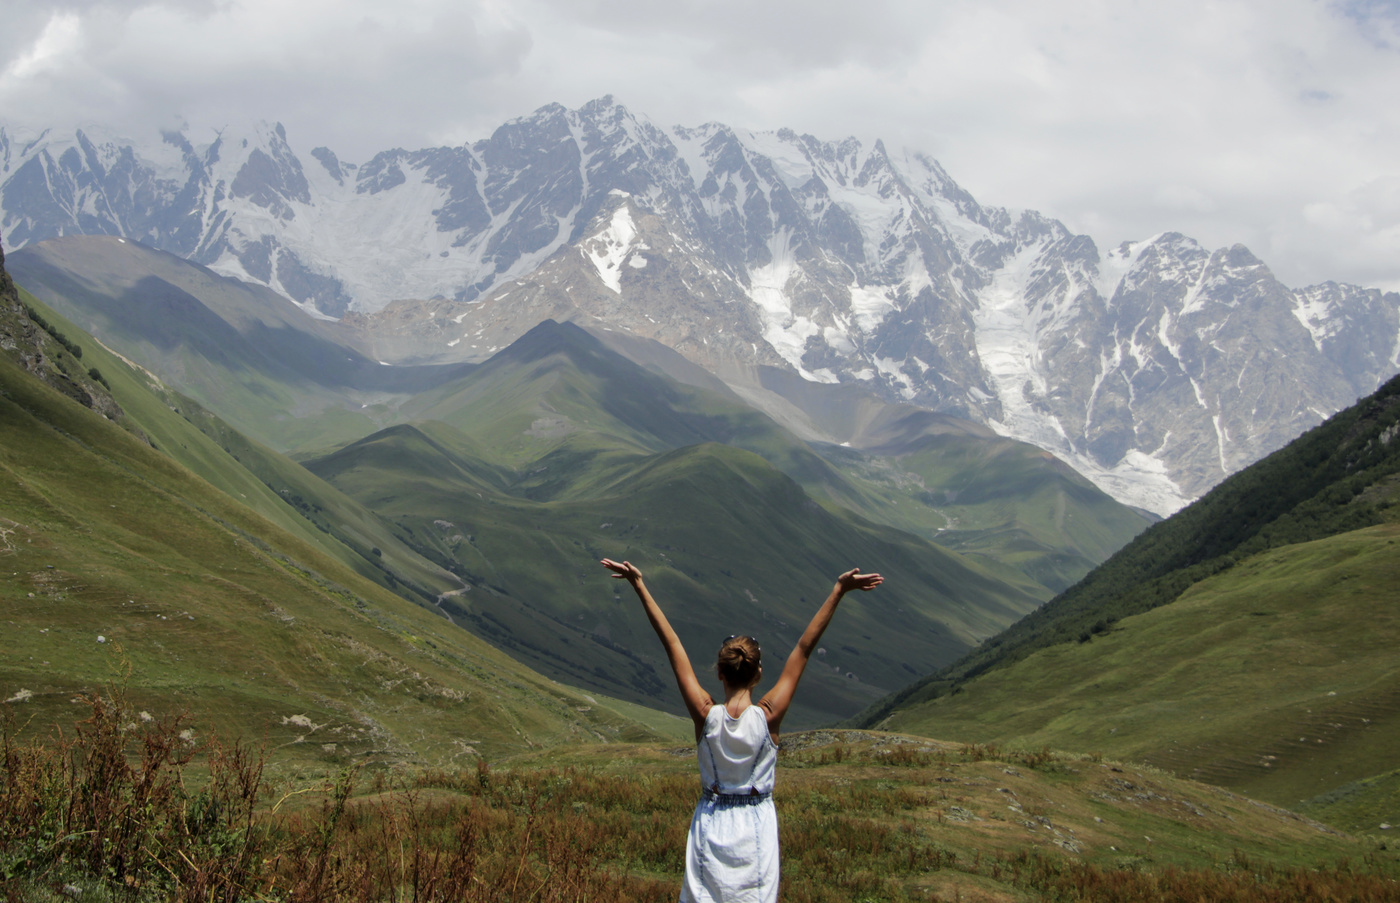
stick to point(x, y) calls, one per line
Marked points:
point(738, 662)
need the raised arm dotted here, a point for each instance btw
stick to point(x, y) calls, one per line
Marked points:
point(697, 701)
point(777, 700)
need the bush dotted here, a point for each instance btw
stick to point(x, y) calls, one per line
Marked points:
point(111, 802)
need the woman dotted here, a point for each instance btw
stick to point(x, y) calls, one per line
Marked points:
point(731, 853)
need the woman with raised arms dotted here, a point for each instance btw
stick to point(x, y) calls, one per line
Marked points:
point(731, 854)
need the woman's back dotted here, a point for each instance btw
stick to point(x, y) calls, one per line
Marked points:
point(737, 755)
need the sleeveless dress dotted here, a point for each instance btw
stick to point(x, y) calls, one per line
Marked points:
point(731, 853)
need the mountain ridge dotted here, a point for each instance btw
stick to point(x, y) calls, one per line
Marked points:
point(1156, 369)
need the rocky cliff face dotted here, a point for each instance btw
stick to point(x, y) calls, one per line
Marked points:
point(40, 348)
point(1156, 368)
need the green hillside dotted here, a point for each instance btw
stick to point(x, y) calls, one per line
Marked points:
point(730, 544)
point(1247, 641)
point(949, 480)
point(995, 498)
point(557, 400)
point(1277, 677)
point(119, 564)
point(1337, 477)
point(269, 483)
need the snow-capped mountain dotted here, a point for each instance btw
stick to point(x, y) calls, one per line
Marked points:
point(1156, 368)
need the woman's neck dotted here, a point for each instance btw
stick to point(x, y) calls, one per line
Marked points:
point(737, 699)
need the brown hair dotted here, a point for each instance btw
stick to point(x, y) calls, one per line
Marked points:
point(738, 661)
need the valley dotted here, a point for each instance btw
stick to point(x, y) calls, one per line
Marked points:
point(505, 482)
point(1131, 634)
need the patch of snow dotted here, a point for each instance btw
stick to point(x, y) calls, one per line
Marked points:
point(610, 247)
point(870, 306)
point(839, 340)
point(1116, 265)
point(1164, 335)
point(788, 157)
point(891, 370)
point(785, 331)
point(1220, 439)
point(690, 145)
point(1007, 347)
point(1314, 311)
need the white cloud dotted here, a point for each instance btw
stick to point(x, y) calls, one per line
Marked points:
point(58, 40)
point(1271, 124)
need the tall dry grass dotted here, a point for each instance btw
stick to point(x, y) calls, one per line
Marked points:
point(127, 809)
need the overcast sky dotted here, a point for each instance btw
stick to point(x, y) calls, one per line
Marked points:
point(1274, 123)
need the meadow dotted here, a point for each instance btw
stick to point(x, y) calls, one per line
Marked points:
point(125, 807)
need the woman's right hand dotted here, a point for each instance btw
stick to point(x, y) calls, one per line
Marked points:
point(623, 570)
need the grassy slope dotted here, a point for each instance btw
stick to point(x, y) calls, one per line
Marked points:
point(572, 417)
point(948, 480)
point(962, 485)
point(208, 606)
point(1277, 677)
point(1337, 477)
point(1370, 806)
point(269, 483)
point(855, 803)
point(729, 544)
point(996, 498)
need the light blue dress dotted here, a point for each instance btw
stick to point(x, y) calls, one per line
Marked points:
point(731, 854)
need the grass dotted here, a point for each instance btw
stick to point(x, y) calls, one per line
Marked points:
point(1369, 807)
point(1276, 677)
point(130, 810)
point(557, 400)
